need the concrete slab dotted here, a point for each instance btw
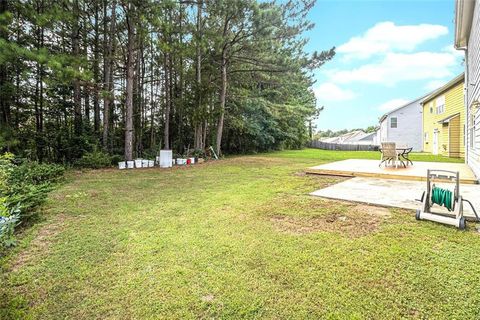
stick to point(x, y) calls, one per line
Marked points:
point(370, 168)
point(393, 193)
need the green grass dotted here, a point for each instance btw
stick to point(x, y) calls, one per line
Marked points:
point(237, 238)
point(327, 155)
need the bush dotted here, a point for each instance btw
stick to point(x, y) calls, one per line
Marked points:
point(94, 160)
point(116, 159)
point(198, 153)
point(23, 187)
point(9, 219)
point(35, 173)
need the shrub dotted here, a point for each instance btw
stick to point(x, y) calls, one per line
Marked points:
point(94, 160)
point(35, 173)
point(23, 187)
point(9, 219)
point(116, 159)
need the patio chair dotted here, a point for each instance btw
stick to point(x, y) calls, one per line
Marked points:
point(405, 155)
point(389, 153)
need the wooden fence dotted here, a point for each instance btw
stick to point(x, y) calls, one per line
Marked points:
point(343, 147)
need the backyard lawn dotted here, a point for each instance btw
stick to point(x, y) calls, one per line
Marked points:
point(236, 238)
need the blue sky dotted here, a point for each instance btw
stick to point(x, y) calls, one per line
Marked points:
point(388, 52)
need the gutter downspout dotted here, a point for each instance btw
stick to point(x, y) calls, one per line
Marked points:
point(466, 128)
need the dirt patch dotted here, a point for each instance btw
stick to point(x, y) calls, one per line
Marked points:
point(356, 221)
point(41, 243)
point(300, 174)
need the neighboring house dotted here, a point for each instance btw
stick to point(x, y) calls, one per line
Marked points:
point(467, 38)
point(403, 126)
point(353, 137)
point(444, 120)
point(369, 139)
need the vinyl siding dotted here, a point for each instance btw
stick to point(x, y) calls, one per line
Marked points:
point(409, 126)
point(450, 146)
point(455, 141)
point(473, 89)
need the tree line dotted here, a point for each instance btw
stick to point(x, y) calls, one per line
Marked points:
point(131, 76)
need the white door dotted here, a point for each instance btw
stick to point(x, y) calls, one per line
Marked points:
point(435, 142)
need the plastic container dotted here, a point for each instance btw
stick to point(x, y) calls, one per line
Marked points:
point(151, 163)
point(145, 163)
point(130, 164)
point(192, 160)
point(122, 165)
point(166, 157)
point(189, 161)
point(181, 161)
point(138, 163)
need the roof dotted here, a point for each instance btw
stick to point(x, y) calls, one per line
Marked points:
point(356, 136)
point(447, 119)
point(369, 136)
point(401, 107)
point(444, 88)
point(349, 136)
point(463, 22)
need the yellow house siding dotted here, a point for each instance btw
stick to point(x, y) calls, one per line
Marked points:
point(450, 135)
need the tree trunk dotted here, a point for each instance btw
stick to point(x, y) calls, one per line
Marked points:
point(129, 90)
point(4, 97)
point(223, 95)
point(96, 72)
point(107, 66)
point(77, 103)
point(86, 89)
point(198, 72)
point(168, 100)
point(38, 102)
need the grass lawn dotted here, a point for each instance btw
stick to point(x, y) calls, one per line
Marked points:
point(237, 238)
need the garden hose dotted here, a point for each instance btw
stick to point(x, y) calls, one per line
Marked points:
point(473, 208)
point(443, 197)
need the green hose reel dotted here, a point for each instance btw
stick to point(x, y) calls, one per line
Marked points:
point(443, 197)
point(453, 201)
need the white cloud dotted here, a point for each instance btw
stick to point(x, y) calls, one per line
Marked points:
point(451, 49)
point(392, 104)
point(331, 92)
point(435, 84)
point(385, 37)
point(397, 67)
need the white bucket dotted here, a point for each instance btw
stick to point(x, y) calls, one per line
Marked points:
point(121, 165)
point(151, 163)
point(181, 161)
point(173, 162)
point(130, 164)
point(138, 163)
point(145, 163)
point(192, 160)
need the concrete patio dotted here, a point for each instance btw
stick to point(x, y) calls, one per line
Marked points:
point(370, 168)
point(392, 193)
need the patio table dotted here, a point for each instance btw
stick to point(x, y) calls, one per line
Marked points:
point(403, 153)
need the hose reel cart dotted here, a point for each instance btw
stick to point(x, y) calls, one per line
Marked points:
point(451, 200)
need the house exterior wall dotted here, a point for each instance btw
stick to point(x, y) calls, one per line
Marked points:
point(454, 104)
point(473, 93)
point(409, 126)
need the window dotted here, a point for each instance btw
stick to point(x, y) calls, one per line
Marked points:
point(393, 122)
point(431, 110)
point(440, 103)
point(425, 137)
